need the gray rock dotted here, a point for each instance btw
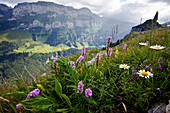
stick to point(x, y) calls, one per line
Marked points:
point(158, 109)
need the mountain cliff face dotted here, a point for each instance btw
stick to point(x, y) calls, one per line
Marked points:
point(54, 24)
point(51, 21)
point(5, 11)
point(49, 16)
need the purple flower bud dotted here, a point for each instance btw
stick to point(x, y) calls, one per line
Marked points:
point(33, 93)
point(79, 59)
point(125, 46)
point(54, 63)
point(160, 59)
point(18, 106)
point(72, 65)
point(110, 51)
point(109, 38)
point(92, 54)
point(130, 80)
point(97, 59)
point(147, 66)
point(80, 87)
point(160, 66)
point(116, 56)
point(159, 89)
point(88, 92)
point(83, 51)
point(133, 71)
point(162, 62)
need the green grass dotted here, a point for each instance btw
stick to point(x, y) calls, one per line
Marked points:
point(113, 89)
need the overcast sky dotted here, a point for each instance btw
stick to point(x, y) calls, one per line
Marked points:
point(127, 10)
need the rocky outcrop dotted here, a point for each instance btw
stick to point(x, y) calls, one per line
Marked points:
point(147, 25)
point(36, 23)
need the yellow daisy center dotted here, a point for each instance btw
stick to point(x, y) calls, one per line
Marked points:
point(142, 43)
point(124, 66)
point(144, 73)
point(157, 47)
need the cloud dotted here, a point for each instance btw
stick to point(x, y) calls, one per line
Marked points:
point(128, 10)
point(165, 1)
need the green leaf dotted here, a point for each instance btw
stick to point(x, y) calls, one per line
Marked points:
point(67, 100)
point(90, 100)
point(85, 77)
point(73, 86)
point(58, 87)
point(13, 107)
point(61, 110)
point(19, 93)
point(38, 102)
point(51, 99)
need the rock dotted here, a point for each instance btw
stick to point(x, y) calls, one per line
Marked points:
point(56, 24)
point(147, 25)
point(158, 109)
point(36, 23)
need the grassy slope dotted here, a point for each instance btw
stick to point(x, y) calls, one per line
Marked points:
point(26, 44)
point(112, 87)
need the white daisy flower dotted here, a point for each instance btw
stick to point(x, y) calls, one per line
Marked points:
point(124, 66)
point(147, 74)
point(157, 47)
point(143, 44)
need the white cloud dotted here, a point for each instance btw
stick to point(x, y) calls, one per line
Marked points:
point(129, 10)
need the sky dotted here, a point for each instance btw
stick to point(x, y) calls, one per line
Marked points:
point(126, 10)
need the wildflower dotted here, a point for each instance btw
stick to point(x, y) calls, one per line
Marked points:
point(130, 80)
point(97, 59)
point(80, 87)
point(151, 69)
point(72, 65)
point(125, 46)
point(124, 66)
point(145, 74)
point(160, 66)
point(41, 87)
point(33, 93)
point(159, 89)
point(92, 54)
point(79, 59)
point(109, 38)
point(134, 72)
point(116, 52)
point(83, 51)
point(147, 66)
point(157, 47)
point(108, 44)
point(160, 59)
point(110, 51)
point(19, 106)
point(116, 56)
point(143, 44)
point(52, 57)
point(54, 63)
point(88, 92)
